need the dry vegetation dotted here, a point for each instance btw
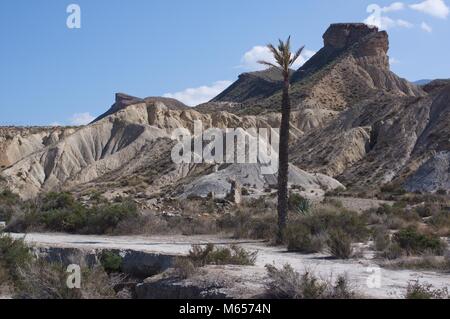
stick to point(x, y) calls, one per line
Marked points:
point(24, 276)
point(286, 283)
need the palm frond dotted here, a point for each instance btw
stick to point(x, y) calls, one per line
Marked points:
point(283, 56)
point(296, 55)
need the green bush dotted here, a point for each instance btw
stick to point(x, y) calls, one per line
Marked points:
point(330, 219)
point(59, 212)
point(299, 204)
point(413, 242)
point(111, 261)
point(55, 201)
point(9, 205)
point(309, 233)
point(13, 255)
point(105, 218)
point(299, 238)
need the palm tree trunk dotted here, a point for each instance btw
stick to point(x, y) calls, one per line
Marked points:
point(283, 169)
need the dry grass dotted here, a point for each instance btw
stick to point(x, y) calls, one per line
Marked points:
point(212, 255)
point(286, 283)
point(417, 290)
point(40, 280)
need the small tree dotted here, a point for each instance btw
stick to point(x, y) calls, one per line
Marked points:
point(284, 60)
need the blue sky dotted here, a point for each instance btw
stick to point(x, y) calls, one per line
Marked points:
point(52, 74)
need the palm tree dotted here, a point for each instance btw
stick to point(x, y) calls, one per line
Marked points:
point(284, 60)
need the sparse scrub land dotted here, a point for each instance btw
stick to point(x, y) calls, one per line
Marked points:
point(185, 267)
point(60, 212)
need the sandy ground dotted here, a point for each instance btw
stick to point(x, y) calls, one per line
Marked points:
point(363, 273)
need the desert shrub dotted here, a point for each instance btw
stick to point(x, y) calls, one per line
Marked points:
point(13, 255)
point(329, 218)
point(244, 224)
point(286, 283)
point(392, 216)
point(381, 238)
point(309, 233)
point(392, 251)
point(184, 267)
point(440, 222)
point(61, 213)
point(111, 261)
point(413, 242)
point(104, 218)
point(9, 198)
point(54, 201)
point(10, 204)
point(299, 238)
point(427, 210)
point(233, 255)
point(416, 290)
point(41, 280)
point(340, 245)
point(299, 204)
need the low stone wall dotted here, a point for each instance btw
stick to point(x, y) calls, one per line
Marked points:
point(134, 263)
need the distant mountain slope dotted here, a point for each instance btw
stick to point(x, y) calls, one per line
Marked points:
point(252, 86)
point(422, 82)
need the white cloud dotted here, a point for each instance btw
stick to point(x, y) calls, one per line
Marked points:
point(81, 119)
point(404, 24)
point(199, 95)
point(396, 6)
point(393, 61)
point(426, 27)
point(435, 8)
point(55, 124)
point(250, 59)
point(383, 22)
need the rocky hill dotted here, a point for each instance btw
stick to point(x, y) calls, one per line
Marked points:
point(353, 120)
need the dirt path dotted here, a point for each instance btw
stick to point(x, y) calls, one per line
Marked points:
point(392, 282)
